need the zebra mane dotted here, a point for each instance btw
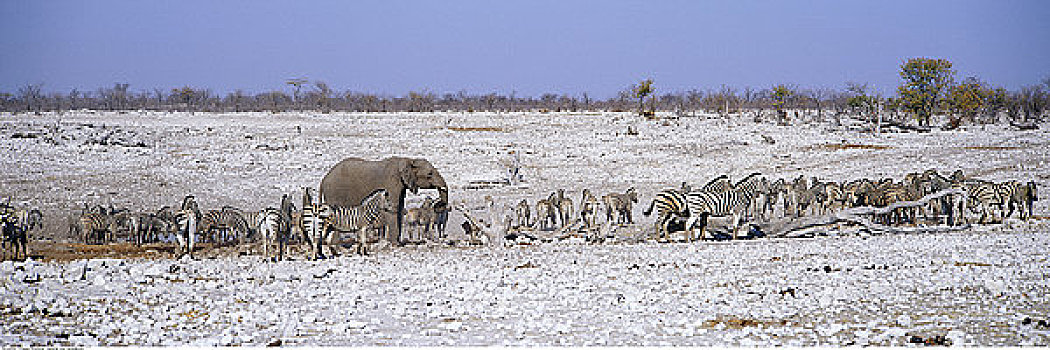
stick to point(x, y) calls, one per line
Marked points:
point(371, 196)
point(748, 178)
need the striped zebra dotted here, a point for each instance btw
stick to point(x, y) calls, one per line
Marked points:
point(834, 197)
point(618, 206)
point(669, 204)
point(273, 229)
point(224, 225)
point(186, 231)
point(564, 206)
point(546, 215)
point(717, 185)
point(932, 182)
point(1020, 197)
point(522, 213)
point(312, 225)
point(589, 207)
point(13, 236)
point(755, 187)
point(96, 228)
point(703, 204)
point(186, 221)
point(859, 192)
point(978, 196)
point(369, 215)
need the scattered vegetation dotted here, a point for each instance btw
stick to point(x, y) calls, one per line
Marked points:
point(928, 89)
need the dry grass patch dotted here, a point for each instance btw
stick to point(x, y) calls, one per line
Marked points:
point(737, 323)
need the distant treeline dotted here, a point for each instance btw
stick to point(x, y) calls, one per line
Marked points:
point(1024, 104)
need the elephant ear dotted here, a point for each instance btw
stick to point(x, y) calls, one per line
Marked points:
point(408, 177)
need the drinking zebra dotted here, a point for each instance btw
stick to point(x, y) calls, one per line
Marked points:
point(369, 215)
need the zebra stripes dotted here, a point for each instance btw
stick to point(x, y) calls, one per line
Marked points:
point(669, 203)
point(368, 215)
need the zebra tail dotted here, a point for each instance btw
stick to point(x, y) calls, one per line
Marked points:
point(650, 210)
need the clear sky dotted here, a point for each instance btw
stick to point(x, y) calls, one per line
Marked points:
point(531, 47)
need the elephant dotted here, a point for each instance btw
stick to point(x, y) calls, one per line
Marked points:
point(352, 179)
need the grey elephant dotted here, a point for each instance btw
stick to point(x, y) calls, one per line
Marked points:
point(352, 179)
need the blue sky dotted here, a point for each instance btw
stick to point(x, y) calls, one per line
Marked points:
point(528, 47)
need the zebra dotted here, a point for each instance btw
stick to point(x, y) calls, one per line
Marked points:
point(420, 219)
point(1019, 196)
point(545, 214)
point(978, 195)
point(564, 206)
point(716, 185)
point(96, 228)
point(370, 214)
point(227, 221)
point(834, 197)
point(756, 188)
point(859, 192)
point(589, 207)
point(522, 213)
point(669, 204)
point(186, 219)
point(441, 210)
point(703, 204)
point(186, 231)
point(312, 225)
point(13, 235)
point(619, 205)
point(273, 229)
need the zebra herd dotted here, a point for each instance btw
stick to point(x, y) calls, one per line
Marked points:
point(15, 225)
point(755, 198)
point(557, 211)
point(316, 224)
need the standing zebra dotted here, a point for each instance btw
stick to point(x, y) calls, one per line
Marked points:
point(14, 236)
point(522, 213)
point(717, 185)
point(703, 204)
point(589, 207)
point(186, 219)
point(564, 206)
point(369, 215)
point(1021, 197)
point(669, 204)
point(618, 206)
point(978, 195)
point(546, 215)
point(273, 229)
point(312, 225)
point(755, 187)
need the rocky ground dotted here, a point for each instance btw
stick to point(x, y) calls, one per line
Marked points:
point(983, 286)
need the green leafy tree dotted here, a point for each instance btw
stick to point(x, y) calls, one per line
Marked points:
point(640, 91)
point(925, 85)
point(781, 94)
point(967, 99)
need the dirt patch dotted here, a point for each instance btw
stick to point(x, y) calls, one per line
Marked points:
point(62, 252)
point(737, 323)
